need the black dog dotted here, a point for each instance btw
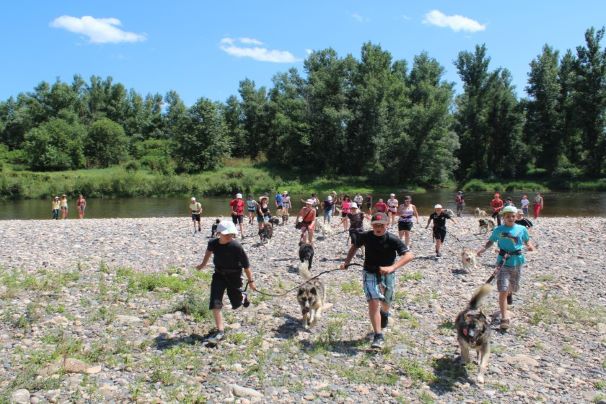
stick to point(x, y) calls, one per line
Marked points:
point(306, 253)
point(213, 229)
point(266, 232)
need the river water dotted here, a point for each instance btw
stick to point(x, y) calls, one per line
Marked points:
point(556, 204)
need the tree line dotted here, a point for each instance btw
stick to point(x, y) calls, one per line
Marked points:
point(373, 116)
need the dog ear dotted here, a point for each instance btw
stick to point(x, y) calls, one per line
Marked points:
point(313, 291)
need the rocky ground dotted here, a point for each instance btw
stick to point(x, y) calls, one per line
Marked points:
point(112, 310)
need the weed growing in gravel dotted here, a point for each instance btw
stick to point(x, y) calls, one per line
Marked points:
point(545, 278)
point(406, 315)
point(104, 314)
point(554, 310)
point(161, 372)
point(426, 398)
point(415, 371)
point(599, 398)
point(411, 276)
point(352, 287)
point(330, 336)
point(363, 374)
point(195, 305)
point(570, 351)
point(600, 384)
point(138, 282)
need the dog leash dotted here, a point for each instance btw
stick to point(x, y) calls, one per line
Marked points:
point(496, 271)
point(298, 286)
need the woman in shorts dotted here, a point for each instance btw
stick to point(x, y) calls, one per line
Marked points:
point(251, 208)
point(392, 209)
point(345, 210)
point(406, 212)
point(306, 220)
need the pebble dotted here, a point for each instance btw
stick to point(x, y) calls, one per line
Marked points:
point(20, 396)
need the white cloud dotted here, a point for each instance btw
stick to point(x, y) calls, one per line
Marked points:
point(241, 47)
point(455, 22)
point(309, 51)
point(358, 17)
point(98, 30)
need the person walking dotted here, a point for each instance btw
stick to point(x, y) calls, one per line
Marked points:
point(251, 208)
point(497, 204)
point(439, 218)
point(510, 238)
point(64, 207)
point(345, 210)
point(392, 209)
point(237, 212)
point(328, 208)
point(81, 206)
point(380, 206)
point(195, 209)
point(460, 202)
point(229, 259)
point(524, 202)
point(285, 206)
point(379, 277)
point(538, 205)
point(406, 211)
point(306, 220)
point(263, 213)
point(56, 207)
point(368, 204)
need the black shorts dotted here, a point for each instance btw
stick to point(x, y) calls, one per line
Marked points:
point(404, 226)
point(237, 219)
point(195, 217)
point(230, 281)
point(439, 233)
point(354, 235)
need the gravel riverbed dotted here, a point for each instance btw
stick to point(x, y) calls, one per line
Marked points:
point(112, 310)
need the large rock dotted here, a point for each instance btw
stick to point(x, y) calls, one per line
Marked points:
point(240, 391)
point(20, 396)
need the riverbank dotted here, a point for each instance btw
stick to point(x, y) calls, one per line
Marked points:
point(237, 176)
point(100, 310)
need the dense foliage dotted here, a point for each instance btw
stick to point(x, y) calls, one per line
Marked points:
point(376, 117)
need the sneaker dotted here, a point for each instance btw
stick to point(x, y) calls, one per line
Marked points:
point(378, 341)
point(245, 301)
point(384, 319)
point(509, 300)
point(216, 337)
point(438, 255)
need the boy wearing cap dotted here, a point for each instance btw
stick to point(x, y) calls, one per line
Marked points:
point(229, 259)
point(237, 212)
point(510, 238)
point(195, 208)
point(439, 218)
point(379, 276)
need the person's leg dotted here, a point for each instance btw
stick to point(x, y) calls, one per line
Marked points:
point(310, 235)
point(374, 314)
point(407, 238)
point(218, 319)
point(503, 305)
point(199, 224)
point(438, 246)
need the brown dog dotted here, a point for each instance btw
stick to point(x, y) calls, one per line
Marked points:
point(469, 259)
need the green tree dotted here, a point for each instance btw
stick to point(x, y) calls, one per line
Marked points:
point(106, 143)
point(201, 141)
point(234, 118)
point(55, 145)
point(254, 110)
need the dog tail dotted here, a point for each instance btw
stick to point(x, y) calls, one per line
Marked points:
point(482, 292)
point(304, 270)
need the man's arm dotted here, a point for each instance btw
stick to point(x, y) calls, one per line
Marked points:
point(488, 244)
point(350, 254)
point(205, 260)
point(250, 279)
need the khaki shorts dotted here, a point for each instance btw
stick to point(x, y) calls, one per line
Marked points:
point(508, 279)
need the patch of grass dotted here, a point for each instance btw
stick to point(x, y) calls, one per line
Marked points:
point(554, 310)
point(161, 372)
point(415, 371)
point(194, 305)
point(571, 351)
point(406, 315)
point(352, 287)
point(501, 388)
point(599, 398)
point(411, 276)
point(363, 374)
point(105, 314)
point(139, 282)
point(426, 398)
point(545, 278)
point(600, 384)
point(236, 338)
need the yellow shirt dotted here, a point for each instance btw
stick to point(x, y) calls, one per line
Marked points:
point(56, 204)
point(195, 207)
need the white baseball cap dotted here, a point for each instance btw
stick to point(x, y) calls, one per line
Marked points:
point(354, 205)
point(392, 195)
point(238, 195)
point(227, 228)
point(193, 199)
point(438, 206)
point(329, 198)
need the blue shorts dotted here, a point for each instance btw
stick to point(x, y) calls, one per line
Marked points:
point(383, 290)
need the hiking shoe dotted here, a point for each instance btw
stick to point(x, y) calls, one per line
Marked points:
point(384, 319)
point(216, 337)
point(245, 301)
point(438, 254)
point(509, 300)
point(378, 342)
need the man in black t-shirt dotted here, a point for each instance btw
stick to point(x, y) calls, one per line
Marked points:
point(439, 218)
point(229, 259)
point(379, 271)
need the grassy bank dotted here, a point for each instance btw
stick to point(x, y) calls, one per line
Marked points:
point(237, 175)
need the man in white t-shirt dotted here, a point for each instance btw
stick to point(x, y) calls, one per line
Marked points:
point(195, 208)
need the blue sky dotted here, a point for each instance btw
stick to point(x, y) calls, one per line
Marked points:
point(203, 49)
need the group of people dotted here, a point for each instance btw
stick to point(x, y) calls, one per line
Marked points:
point(497, 205)
point(59, 207)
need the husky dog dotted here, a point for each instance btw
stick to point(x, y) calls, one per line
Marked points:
point(480, 213)
point(324, 228)
point(468, 258)
point(486, 225)
point(473, 331)
point(266, 232)
point(306, 253)
point(311, 297)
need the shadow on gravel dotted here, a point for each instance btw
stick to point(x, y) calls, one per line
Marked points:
point(289, 328)
point(162, 343)
point(425, 258)
point(346, 347)
point(447, 371)
point(460, 272)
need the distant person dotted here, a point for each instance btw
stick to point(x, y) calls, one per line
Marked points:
point(406, 212)
point(497, 205)
point(306, 220)
point(195, 209)
point(538, 205)
point(380, 206)
point(509, 202)
point(356, 223)
point(64, 207)
point(251, 208)
point(328, 207)
point(81, 206)
point(439, 218)
point(263, 212)
point(237, 212)
point(524, 202)
point(229, 259)
point(278, 200)
point(213, 228)
point(358, 199)
point(392, 209)
point(368, 203)
point(286, 205)
point(460, 202)
point(522, 221)
point(345, 210)
point(56, 207)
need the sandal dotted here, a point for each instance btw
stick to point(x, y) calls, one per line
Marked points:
point(504, 324)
